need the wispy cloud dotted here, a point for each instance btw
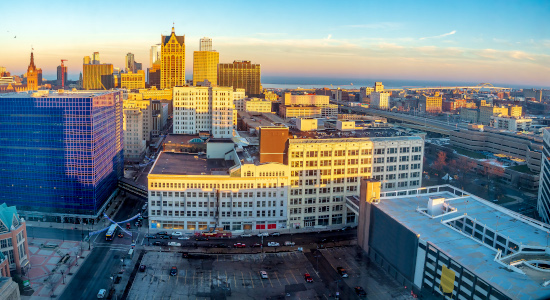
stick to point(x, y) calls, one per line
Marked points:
point(439, 36)
point(329, 36)
point(379, 25)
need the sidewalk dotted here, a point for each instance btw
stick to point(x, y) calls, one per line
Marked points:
point(111, 211)
point(48, 259)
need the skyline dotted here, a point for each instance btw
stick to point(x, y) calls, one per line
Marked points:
point(495, 42)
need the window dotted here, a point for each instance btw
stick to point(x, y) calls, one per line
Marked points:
point(403, 175)
point(390, 176)
point(403, 167)
point(416, 157)
point(391, 159)
point(390, 168)
point(404, 149)
point(379, 160)
point(404, 158)
point(416, 149)
point(366, 151)
point(415, 166)
point(379, 151)
point(392, 150)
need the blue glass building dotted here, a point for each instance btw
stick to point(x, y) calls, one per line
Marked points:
point(60, 153)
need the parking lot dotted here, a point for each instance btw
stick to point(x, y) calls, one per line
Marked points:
point(231, 276)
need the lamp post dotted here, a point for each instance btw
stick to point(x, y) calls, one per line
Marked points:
point(62, 277)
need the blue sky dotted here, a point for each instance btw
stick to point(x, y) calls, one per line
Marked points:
point(476, 41)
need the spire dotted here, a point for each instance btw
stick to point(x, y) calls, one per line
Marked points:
point(173, 31)
point(32, 58)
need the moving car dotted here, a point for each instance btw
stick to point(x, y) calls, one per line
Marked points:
point(142, 268)
point(360, 291)
point(246, 235)
point(239, 245)
point(174, 244)
point(183, 238)
point(255, 245)
point(342, 272)
point(101, 294)
point(263, 234)
point(156, 243)
point(121, 235)
point(162, 233)
point(273, 244)
point(177, 233)
point(308, 278)
point(173, 271)
point(201, 238)
point(287, 243)
point(276, 234)
point(263, 274)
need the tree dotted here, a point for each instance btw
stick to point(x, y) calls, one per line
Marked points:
point(462, 166)
point(441, 162)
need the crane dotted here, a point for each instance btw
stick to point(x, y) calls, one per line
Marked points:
point(63, 73)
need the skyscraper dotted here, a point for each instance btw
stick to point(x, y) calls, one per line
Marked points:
point(543, 203)
point(154, 55)
point(242, 75)
point(86, 60)
point(205, 63)
point(129, 63)
point(60, 76)
point(32, 75)
point(98, 77)
point(65, 154)
point(95, 58)
point(172, 70)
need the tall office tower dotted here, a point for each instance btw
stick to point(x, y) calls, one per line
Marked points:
point(86, 60)
point(380, 100)
point(206, 44)
point(32, 75)
point(39, 76)
point(242, 75)
point(65, 155)
point(129, 63)
point(205, 63)
point(60, 75)
point(95, 58)
point(134, 143)
point(203, 109)
point(378, 87)
point(172, 57)
point(543, 203)
point(154, 55)
point(98, 77)
point(430, 104)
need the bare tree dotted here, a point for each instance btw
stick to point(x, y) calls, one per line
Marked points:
point(462, 166)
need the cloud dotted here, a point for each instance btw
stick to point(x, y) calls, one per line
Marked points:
point(329, 36)
point(439, 36)
point(380, 25)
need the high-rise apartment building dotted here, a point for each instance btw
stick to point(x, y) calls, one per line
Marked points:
point(62, 75)
point(86, 60)
point(543, 203)
point(132, 80)
point(134, 142)
point(430, 104)
point(378, 87)
point(203, 109)
point(154, 54)
point(95, 58)
point(129, 63)
point(32, 75)
point(61, 153)
point(98, 77)
point(172, 66)
point(205, 63)
point(146, 114)
point(380, 100)
point(243, 75)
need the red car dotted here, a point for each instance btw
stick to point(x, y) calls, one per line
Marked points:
point(308, 278)
point(239, 245)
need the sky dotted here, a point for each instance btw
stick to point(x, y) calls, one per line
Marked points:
point(500, 42)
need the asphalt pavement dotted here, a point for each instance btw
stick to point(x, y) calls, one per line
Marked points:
point(55, 233)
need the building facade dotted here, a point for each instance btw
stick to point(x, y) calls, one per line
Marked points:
point(543, 203)
point(146, 115)
point(512, 123)
point(97, 77)
point(199, 109)
point(242, 75)
point(257, 105)
point(172, 61)
point(205, 63)
point(306, 100)
point(134, 142)
point(132, 81)
point(65, 155)
point(430, 104)
point(380, 100)
point(32, 75)
point(13, 239)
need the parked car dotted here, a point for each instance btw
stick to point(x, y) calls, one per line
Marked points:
point(344, 228)
point(246, 235)
point(239, 245)
point(255, 245)
point(342, 272)
point(287, 243)
point(101, 294)
point(177, 233)
point(263, 274)
point(174, 244)
point(156, 243)
point(121, 235)
point(276, 234)
point(201, 238)
point(165, 236)
point(360, 291)
point(142, 268)
point(173, 271)
point(273, 244)
point(162, 233)
point(263, 234)
point(183, 238)
point(308, 278)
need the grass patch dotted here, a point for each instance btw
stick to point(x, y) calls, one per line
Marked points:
point(469, 153)
point(522, 169)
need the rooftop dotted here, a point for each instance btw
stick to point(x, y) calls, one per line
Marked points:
point(169, 163)
point(55, 94)
point(443, 228)
point(358, 133)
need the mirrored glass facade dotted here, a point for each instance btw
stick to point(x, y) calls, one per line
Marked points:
point(60, 153)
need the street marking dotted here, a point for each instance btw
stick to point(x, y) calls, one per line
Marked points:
point(242, 276)
point(235, 279)
point(288, 282)
point(252, 280)
point(219, 279)
point(294, 277)
point(278, 278)
point(270, 281)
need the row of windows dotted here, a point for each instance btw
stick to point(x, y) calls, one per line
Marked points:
point(212, 194)
point(179, 185)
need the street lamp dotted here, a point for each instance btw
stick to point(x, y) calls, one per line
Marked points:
point(62, 277)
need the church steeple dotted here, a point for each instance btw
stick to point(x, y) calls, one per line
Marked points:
point(173, 30)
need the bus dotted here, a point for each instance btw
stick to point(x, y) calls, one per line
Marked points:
point(111, 232)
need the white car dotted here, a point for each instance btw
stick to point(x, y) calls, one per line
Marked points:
point(263, 274)
point(273, 244)
point(276, 234)
point(174, 244)
point(246, 235)
point(287, 243)
point(177, 233)
point(101, 294)
point(183, 238)
point(263, 234)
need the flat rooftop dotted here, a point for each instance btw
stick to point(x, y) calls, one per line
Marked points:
point(170, 163)
point(55, 94)
point(463, 248)
point(358, 133)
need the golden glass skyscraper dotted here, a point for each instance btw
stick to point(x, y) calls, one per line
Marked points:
point(205, 63)
point(241, 75)
point(172, 65)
